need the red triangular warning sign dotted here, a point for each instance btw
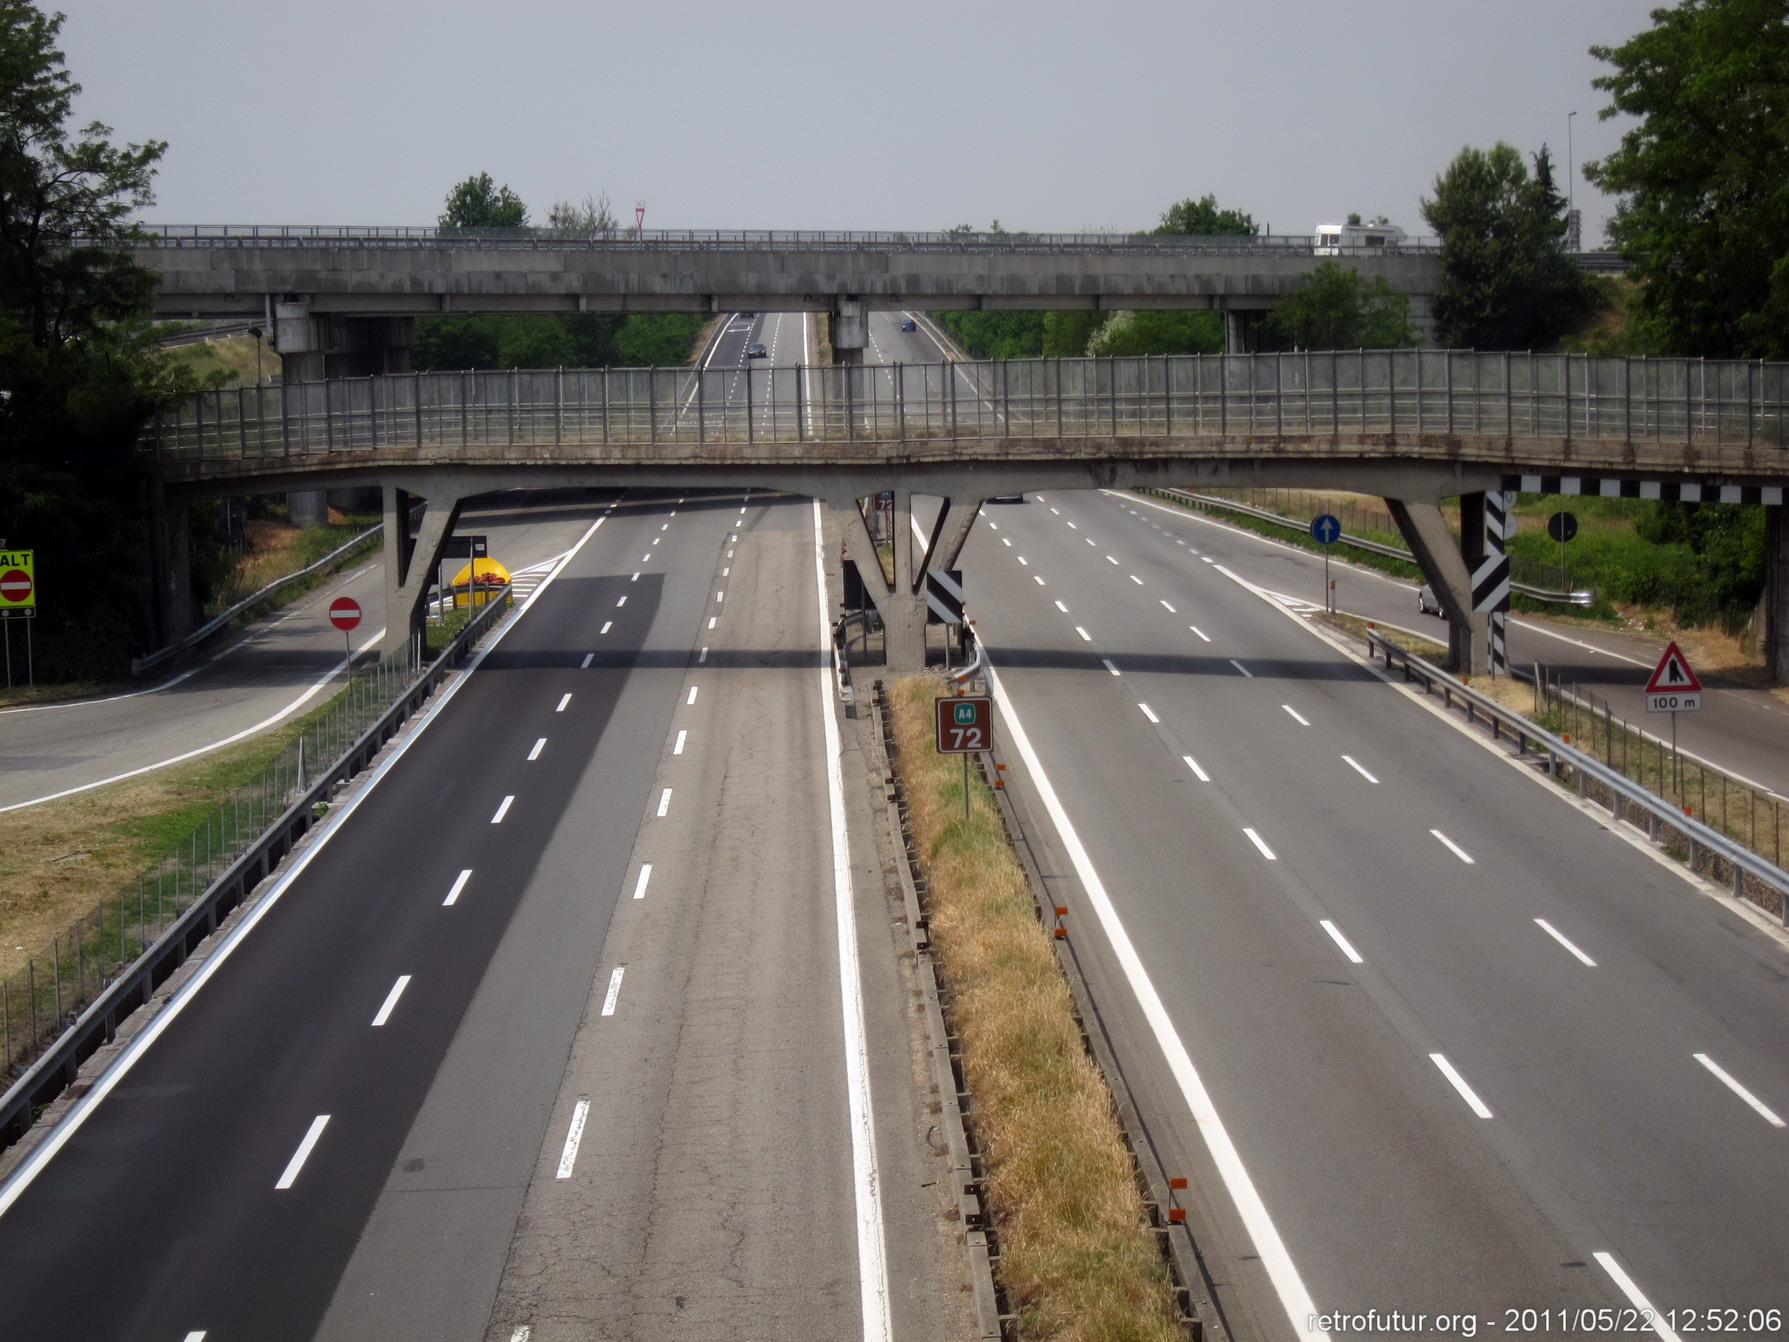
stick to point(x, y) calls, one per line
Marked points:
point(1673, 674)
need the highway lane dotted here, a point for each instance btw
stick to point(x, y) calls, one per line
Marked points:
point(339, 1133)
point(280, 667)
point(1607, 1134)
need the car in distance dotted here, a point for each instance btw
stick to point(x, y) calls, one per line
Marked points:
point(910, 325)
point(756, 350)
point(1426, 604)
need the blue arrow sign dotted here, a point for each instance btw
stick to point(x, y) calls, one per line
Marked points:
point(1326, 528)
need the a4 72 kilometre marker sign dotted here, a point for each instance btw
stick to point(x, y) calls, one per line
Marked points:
point(965, 725)
point(1673, 688)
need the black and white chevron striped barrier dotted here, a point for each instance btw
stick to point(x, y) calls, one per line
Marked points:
point(1490, 580)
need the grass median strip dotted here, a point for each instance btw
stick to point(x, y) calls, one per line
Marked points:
point(1078, 1259)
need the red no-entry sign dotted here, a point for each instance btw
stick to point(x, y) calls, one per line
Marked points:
point(344, 612)
point(15, 587)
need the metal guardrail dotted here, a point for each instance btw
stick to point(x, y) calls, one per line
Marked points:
point(1573, 598)
point(178, 648)
point(1746, 873)
point(97, 1024)
point(724, 239)
point(1405, 394)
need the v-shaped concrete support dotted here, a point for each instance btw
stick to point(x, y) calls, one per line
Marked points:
point(410, 561)
point(1426, 531)
point(902, 603)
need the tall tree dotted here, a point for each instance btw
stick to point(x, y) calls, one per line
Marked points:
point(1507, 281)
point(77, 357)
point(1203, 219)
point(595, 218)
point(478, 202)
point(1336, 307)
point(1703, 176)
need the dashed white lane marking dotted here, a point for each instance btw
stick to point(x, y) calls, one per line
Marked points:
point(1093, 543)
point(692, 698)
point(1240, 667)
point(590, 657)
point(1149, 713)
point(666, 526)
point(720, 596)
point(1720, 1073)
point(711, 620)
point(607, 625)
point(1635, 1297)
point(1169, 609)
point(459, 884)
point(614, 990)
point(635, 578)
point(1134, 578)
point(1477, 1105)
point(1356, 766)
point(1200, 632)
point(1039, 581)
point(1110, 560)
point(682, 736)
point(1335, 935)
point(503, 809)
point(523, 1332)
point(664, 801)
point(569, 1156)
point(1261, 843)
point(1062, 608)
point(1085, 636)
point(1004, 541)
point(725, 572)
point(391, 1000)
point(1071, 525)
point(993, 526)
point(563, 701)
point(303, 1153)
point(1297, 717)
point(1207, 559)
point(1563, 940)
point(621, 602)
point(194, 1337)
point(1026, 562)
point(1454, 848)
point(1106, 662)
point(645, 876)
point(703, 656)
point(539, 746)
point(1058, 513)
point(1198, 773)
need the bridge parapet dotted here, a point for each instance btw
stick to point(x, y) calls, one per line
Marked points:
point(1532, 413)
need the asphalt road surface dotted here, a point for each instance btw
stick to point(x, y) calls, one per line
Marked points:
point(281, 667)
point(479, 1070)
point(1430, 1038)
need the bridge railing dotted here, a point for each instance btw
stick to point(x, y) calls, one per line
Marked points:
point(723, 239)
point(1399, 393)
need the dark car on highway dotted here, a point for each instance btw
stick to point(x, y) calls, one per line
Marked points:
point(755, 350)
point(910, 325)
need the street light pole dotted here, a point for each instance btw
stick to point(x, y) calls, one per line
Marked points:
point(1571, 182)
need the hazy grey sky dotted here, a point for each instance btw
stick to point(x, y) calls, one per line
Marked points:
point(1043, 114)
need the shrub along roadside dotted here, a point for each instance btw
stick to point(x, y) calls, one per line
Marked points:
point(1078, 1259)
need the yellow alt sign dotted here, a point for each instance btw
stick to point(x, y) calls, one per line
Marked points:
point(18, 580)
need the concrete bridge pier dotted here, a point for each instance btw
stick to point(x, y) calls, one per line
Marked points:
point(902, 603)
point(410, 561)
point(1447, 565)
point(170, 565)
point(850, 329)
point(1776, 596)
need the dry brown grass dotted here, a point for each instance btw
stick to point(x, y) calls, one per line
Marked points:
point(1078, 1259)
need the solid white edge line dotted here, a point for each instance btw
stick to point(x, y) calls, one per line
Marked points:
point(1149, 713)
point(1454, 848)
point(303, 1153)
point(1198, 773)
point(458, 885)
point(539, 746)
point(645, 876)
point(503, 809)
point(1359, 769)
point(1270, 1249)
point(391, 1000)
point(1635, 1297)
point(872, 1252)
point(1726, 1080)
point(1260, 843)
point(574, 1136)
point(1335, 935)
point(1563, 940)
point(1458, 1082)
point(1297, 717)
point(614, 990)
point(244, 734)
point(28, 1169)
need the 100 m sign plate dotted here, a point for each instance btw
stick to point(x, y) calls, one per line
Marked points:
point(965, 725)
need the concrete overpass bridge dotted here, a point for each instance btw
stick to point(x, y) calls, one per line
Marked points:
point(343, 301)
point(1412, 426)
